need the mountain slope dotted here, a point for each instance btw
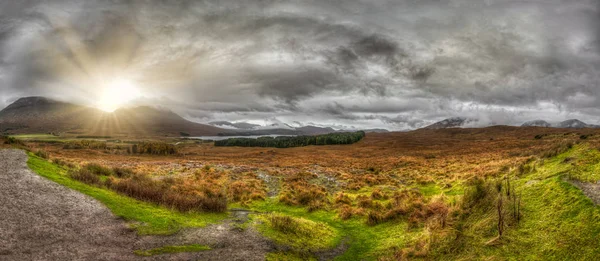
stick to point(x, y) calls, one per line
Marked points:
point(42, 115)
point(454, 122)
point(536, 123)
point(574, 124)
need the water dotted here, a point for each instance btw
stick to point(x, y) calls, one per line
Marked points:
point(230, 137)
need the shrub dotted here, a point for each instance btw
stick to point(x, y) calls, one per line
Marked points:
point(377, 194)
point(42, 154)
point(342, 198)
point(345, 212)
point(169, 193)
point(85, 144)
point(153, 148)
point(122, 172)
point(374, 218)
point(12, 140)
point(85, 176)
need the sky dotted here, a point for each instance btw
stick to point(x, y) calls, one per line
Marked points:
point(397, 65)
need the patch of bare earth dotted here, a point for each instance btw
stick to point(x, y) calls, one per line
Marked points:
point(42, 220)
point(591, 190)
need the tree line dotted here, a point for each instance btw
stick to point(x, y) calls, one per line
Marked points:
point(296, 141)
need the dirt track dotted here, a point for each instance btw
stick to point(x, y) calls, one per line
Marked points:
point(42, 220)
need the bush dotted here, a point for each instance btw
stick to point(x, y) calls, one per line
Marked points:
point(85, 176)
point(98, 169)
point(165, 193)
point(122, 172)
point(153, 148)
point(85, 144)
point(12, 140)
point(42, 154)
point(345, 213)
point(374, 218)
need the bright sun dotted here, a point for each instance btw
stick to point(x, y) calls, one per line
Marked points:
point(116, 94)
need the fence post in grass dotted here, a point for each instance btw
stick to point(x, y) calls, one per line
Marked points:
point(500, 216)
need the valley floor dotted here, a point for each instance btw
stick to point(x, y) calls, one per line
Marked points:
point(424, 195)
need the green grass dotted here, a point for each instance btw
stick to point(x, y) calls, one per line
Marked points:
point(35, 136)
point(171, 250)
point(145, 217)
point(299, 233)
point(429, 190)
point(363, 242)
point(558, 221)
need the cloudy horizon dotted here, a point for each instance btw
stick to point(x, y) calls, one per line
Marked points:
point(364, 64)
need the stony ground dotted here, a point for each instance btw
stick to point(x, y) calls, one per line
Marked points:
point(42, 220)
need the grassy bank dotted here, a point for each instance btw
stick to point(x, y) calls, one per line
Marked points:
point(146, 218)
point(558, 221)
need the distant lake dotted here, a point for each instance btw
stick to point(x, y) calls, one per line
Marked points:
point(230, 137)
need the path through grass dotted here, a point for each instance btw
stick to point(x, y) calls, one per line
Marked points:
point(146, 218)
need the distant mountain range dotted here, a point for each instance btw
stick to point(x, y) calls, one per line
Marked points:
point(462, 122)
point(247, 129)
point(44, 115)
point(568, 124)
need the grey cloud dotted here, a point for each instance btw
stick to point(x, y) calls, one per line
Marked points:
point(417, 60)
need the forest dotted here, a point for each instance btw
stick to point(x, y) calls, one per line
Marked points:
point(296, 141)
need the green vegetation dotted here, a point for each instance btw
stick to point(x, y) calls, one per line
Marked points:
point(558, 222)
point(85, 144)
point(42, 154)
point(153, 148)
point(543, 218)
point(526, 211)
point(297, 141)
point(363, 242)
point(39, 136)
point(169, 192)
point(171, 250)
point(147, 218)
point(301, 234)
point(11, 140)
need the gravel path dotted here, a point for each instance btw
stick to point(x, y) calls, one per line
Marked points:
point(42, 220)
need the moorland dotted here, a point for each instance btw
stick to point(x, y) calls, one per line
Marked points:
point(496, 193)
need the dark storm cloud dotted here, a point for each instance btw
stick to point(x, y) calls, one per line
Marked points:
point(393, 64)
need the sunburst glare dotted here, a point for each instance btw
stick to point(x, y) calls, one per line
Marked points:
point(116, 94)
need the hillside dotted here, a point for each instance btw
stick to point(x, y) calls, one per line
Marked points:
point(43, 115)
point(454, 122)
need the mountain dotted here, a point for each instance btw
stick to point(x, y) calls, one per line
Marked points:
point(536, 123)
point(313, 130)
point(454, 122)
point(43, 115)
point(236, 125)
point(575, 124)
point(375, 130)
point(305, 130)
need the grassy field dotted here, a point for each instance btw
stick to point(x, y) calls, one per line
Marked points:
point(424, 195)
